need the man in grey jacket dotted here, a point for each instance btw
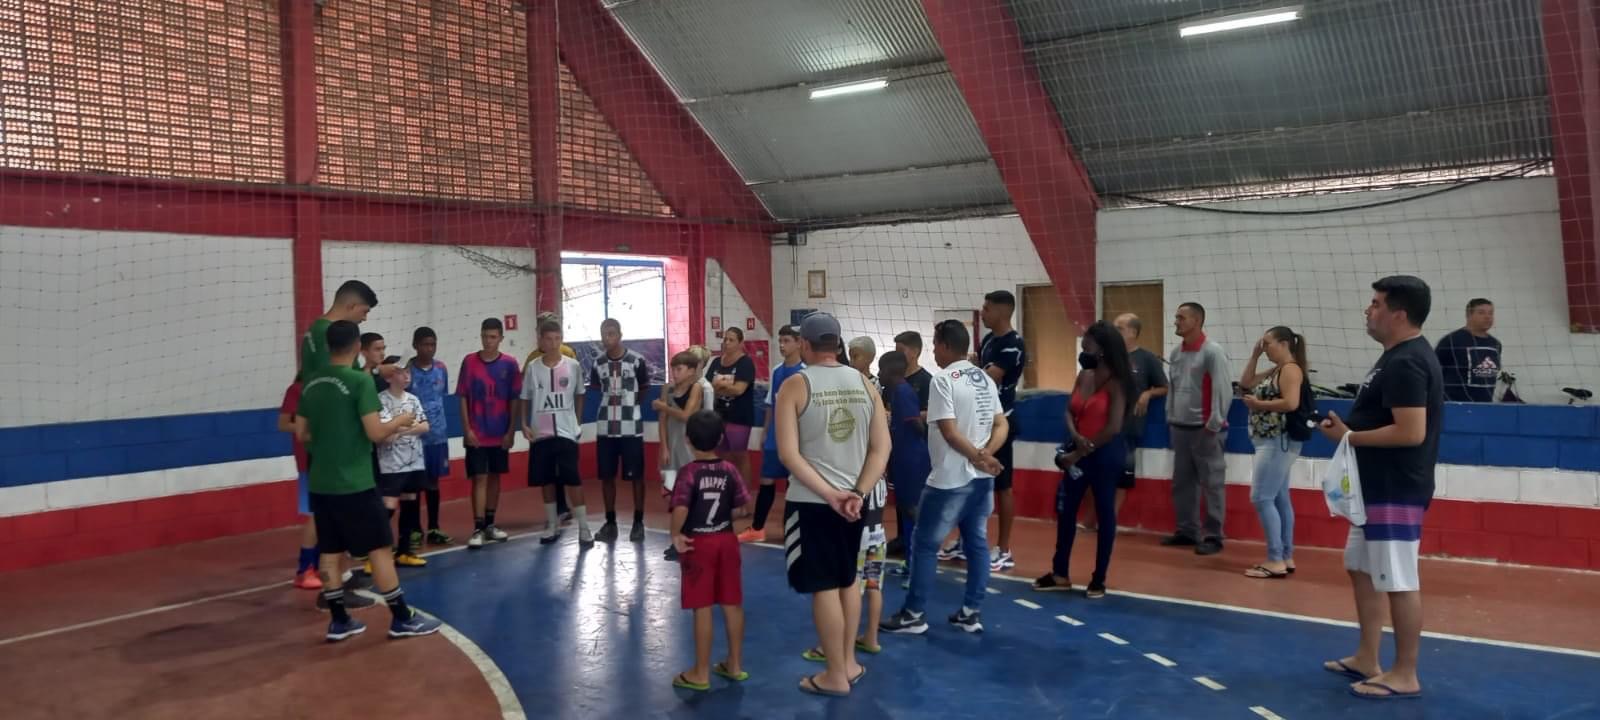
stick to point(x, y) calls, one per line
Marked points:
point(1197, 414)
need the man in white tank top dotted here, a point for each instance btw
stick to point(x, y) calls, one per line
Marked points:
point(834, 438)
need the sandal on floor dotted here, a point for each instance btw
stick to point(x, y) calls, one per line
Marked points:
point(809, 685)
point(859, 676)
point(1338, 667)
point(1389, 693)
point(814, 655)
point(1047, 583)
point(683, 682)
point(721, 668)
point(868, 649)
point(1262, 572)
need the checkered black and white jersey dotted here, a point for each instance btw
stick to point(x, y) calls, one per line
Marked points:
point(622, 384)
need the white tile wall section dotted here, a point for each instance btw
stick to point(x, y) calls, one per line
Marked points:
point(77, 493)
point(135, 486)
point(724, 301)
point(170, 324)
point(442, 288)
point(886, 279)
point(1557, 487)
point(23, 500)
point(1498, 240)
point(1481, 483)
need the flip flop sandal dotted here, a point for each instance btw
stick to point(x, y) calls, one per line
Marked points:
point(814, 655)
point(858, 676)
point(1338, 667)
point(683, 682)
point(722, 669)
point(809, 685)
point(868, 649)
point(1262, 572)
point(1389, 692)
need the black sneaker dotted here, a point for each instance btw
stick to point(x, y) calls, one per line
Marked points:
point(905, 623)
point(671, 555)
point(608, 533)
point(1176, 540)
point(359, 580)
point(967, 622)
point(1208, 546)
point(637, 533)
point(1095, 591)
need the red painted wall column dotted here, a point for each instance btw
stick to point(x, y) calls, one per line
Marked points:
point(1572, 58)
point(297, 27)
point(544, 113)
point(1024, 134)
point(697, 284)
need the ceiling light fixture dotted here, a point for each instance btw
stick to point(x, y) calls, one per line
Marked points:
point(1239, 22)
point(849, 88)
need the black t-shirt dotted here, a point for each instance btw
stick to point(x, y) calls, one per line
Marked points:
point(920, 380)
point(740, 410)
point(1406, 375)
point(1009, 354)
point(1148, 372)
point(1471, 365)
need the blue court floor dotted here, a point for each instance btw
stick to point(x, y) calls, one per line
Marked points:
point(599, 634)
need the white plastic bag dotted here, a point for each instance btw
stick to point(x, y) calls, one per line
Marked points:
point(1341, 484)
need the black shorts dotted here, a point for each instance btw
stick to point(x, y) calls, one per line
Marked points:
point(553, 461)
point(624, 453)
point(1126, 481)
point(356, 523)
point(488, 461)
point(822, 547)
point(1004, 455)
point(402, 483)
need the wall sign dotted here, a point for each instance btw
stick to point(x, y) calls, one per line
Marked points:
point(511, 322)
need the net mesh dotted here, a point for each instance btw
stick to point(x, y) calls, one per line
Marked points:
point(1270, 174)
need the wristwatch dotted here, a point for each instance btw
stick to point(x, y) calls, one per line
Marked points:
point(858, 493)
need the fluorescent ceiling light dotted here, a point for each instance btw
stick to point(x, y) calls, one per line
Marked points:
point(1239, 22)
point(850, 88)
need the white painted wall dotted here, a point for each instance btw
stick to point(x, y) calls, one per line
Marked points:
point(886, 279)
point(436, 286)
point(1497, 240)
point(102, 325)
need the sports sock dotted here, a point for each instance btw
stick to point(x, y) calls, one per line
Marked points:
point(764, 499)
point(611, 517)
point(397, 603)
point(488, 518)
point(433, 509)
point(583, 518)
point(551, 517)
point(308, 560)
point(478, 524)
point(335, 600)
point(410, 522)
point(638, 517)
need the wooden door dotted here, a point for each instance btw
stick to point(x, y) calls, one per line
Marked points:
point(1051, 340)
point(1144, 300)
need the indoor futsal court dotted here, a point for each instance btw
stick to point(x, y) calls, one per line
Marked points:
point(1249, 344)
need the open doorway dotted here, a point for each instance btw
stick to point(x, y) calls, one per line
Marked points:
point(630, 289)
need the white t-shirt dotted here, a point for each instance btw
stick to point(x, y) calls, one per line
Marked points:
point(963, 393)
point(400, 453)
point(552, 398)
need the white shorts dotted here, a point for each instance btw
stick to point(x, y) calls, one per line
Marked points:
point(1391, 563)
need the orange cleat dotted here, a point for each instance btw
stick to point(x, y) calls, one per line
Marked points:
point(308, 580)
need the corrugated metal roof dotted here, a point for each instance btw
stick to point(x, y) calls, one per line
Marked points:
point(784, 135)
point(710, 47)
point(1045, 20)
point(871, 195)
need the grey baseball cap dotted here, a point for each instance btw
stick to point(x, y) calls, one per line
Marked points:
point(818, 325)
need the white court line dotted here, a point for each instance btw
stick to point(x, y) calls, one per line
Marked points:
point(992, 591)
point(1208, 682)
point(1029, 604)
point(510, 706)
point(1157, 659)
point(1114, 640)
point(1268, 714)
point(1069, 621)
point(139, 614)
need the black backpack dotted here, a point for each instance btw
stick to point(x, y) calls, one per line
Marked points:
point(1298, 425)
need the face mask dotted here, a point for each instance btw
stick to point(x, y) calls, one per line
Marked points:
point(1088, 361)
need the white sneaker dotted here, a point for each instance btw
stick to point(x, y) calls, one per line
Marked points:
point(476, 541)
point(585, 538)
point(497, 535)
point(1001, 561)
point(952, 553)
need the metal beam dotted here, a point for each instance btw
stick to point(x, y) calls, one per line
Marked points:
point(1572, 58)
point(1019, 124)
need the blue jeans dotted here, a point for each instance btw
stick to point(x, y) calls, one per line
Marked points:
point(968, 508)
point(1269, 492)
point(1101, 471)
